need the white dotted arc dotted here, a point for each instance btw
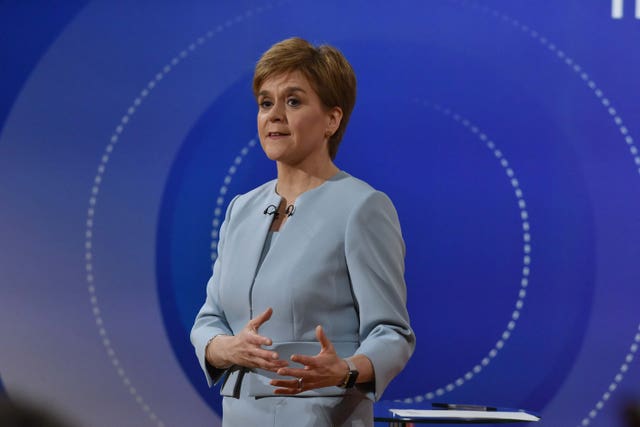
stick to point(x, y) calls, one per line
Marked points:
point(224, 188)
point(628, 139)
point(526, 259)
point(574, 66)
point(95, 189)
point(617, 379)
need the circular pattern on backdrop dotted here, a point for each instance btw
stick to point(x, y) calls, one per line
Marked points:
point(526, 259)
point(617, 379)
point(138, 101)
point(628, 139)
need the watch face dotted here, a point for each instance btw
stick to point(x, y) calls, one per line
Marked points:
point(353, 376)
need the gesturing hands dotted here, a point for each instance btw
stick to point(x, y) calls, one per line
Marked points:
point(245, 348)
point(322, 370)
point(325, 369)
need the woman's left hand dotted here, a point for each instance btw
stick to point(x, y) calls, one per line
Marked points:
point(325, 369)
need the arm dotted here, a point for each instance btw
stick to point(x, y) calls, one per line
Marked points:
point(375, 257)
point(211, 321)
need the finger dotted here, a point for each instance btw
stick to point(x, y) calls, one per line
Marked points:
point(290, 384)
point(257, 321)
point(265, 354)
point(307, 361)
point(292, 372)
point(256, 339)
point(326, 344)
point(292, 387)
point(287, 391)
point(256, 361)
point(268, 365)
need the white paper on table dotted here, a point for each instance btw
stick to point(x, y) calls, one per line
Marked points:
point(465, 414)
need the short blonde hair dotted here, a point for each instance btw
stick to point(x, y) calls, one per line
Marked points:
point(326, 69)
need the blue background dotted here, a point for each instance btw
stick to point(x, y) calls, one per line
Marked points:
point(504, 132)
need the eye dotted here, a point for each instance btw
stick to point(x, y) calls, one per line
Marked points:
point(293, 102)
point(265, 103)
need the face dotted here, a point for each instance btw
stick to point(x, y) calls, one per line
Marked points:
point(293, 125)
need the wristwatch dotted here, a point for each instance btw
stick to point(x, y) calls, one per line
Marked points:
point(351, 377)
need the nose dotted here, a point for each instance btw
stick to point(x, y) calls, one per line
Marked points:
point(277, 112)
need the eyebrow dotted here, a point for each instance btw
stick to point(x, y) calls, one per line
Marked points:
point(287, 90)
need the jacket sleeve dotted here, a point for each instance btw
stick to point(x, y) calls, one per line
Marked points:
point(375, 251)
point(211, 320)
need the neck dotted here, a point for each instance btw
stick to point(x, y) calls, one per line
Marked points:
point(293, 181)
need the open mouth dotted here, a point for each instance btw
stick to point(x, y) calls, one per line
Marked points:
point(276, 134)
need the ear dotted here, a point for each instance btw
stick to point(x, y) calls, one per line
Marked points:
point(334, 118)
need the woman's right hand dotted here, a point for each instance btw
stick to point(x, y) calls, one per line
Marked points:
point(245, 348)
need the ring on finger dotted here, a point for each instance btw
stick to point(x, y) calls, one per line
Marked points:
point(300, 383)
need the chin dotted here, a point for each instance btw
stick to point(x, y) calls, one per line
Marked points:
point(274, 151)
point(273, 155)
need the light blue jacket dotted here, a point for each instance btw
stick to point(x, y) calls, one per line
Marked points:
point(337, 262)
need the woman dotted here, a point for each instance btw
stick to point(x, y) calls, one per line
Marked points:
point(305, 316)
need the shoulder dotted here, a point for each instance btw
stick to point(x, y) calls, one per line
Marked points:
point(363, 196)
point(350, 191)
point(350, 185)
point(373, 226)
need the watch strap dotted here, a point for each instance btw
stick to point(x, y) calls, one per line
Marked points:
point(351, 377)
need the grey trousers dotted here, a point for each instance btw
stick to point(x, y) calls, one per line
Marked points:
point(351, 410)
